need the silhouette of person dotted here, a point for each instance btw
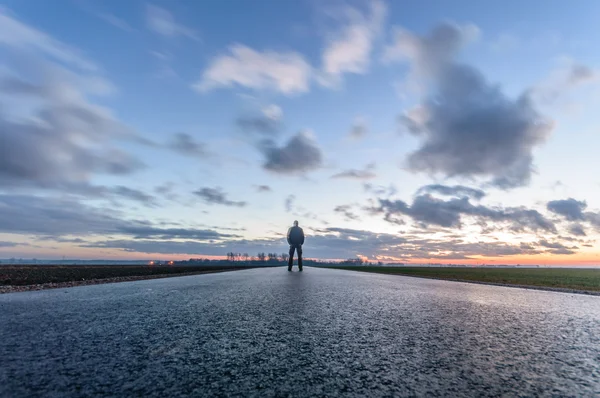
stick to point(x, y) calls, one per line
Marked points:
point(295, 238)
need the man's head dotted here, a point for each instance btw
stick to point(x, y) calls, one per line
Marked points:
point(296, 223)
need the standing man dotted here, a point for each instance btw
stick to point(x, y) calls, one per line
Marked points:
point(295, 238)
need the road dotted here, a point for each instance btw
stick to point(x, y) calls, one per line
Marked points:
point(267, 332)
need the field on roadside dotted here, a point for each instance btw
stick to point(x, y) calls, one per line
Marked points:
point(26, 275)
point(564, 278)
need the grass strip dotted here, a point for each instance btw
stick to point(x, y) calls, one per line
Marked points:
point(560, 278)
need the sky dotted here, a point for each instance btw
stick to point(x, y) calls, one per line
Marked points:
point(417, 132)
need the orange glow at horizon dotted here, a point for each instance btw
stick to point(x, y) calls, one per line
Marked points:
point(588, 257)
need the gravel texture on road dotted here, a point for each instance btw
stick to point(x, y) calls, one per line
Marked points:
point(322, 332)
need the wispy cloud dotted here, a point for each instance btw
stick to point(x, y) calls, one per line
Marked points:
point(17, 34)
point(163, 23)
point(366, 174)
point(66, 139)
point(116, 21)
point(186, 145)
point(283, 72)
point(217, 196)
point(349, 49)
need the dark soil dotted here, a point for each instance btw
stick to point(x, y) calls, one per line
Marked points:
point(35, 277)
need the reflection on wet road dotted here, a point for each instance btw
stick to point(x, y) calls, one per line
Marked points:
point(267, 332)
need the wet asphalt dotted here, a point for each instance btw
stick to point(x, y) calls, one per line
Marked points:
point(267, 332)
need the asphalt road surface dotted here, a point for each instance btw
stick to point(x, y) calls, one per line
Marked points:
point(267, 332)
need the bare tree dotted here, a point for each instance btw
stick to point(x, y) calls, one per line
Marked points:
point(262, 257)
point(285, 257)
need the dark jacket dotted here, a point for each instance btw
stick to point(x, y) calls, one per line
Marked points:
point(295, 236)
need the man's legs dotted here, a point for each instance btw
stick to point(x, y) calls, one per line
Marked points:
point(299, 249)
point(291, 259)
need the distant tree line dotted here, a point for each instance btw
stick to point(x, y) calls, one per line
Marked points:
point(270, 259)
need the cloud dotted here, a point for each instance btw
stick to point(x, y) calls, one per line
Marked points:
point(268, 122)
point(346, 211)
point(289, 203)
point(217, 196)
point(8, 244)
point(162, 22)
point(553, 245)
point(16, 34)
point(359, 129)
point(263, 188)
point(134, 194)
point(365, 174)
point(467, 126)
point(574, 210)
point(569, 75)
point(570, 209)
point(117, 22)
point(185, 144)
point(456, 190)
point(335, 243)
point(68, 141)
point(428, 210)
point(348, 50)
point(300, 154)
point(580, 74)
point(577, 230)
point(51, 135)
point(53, 218)
point(285, 72)
point(149, 232)
point(380, 190)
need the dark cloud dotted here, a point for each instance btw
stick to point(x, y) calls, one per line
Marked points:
point(59, 239)
point(358, 130)
point(456, 190)
point(365, 174)
point(263, 188)
point(134, 194)
point(332, 243)
point(467, 126)
point(593, 218)
point(562, 251)
point(260, 124)
point(187, 145)
point(8, 244)
point(580, 74)
point(217, 196)
point(380, 190)
point(65, 140)
point(53, 219)
point(346, 211)
point(267, 122)
point(50, 216)
point(300, 154)
point(289, 203)
point(554, 245)
point(577, 230)
point(570, 209)
point(89, 191)
point(428, 210)
point(146, 232)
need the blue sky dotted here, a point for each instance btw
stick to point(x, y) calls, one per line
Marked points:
point(429, 131)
